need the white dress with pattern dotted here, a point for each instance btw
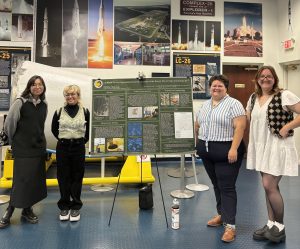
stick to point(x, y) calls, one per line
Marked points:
point(266, 152)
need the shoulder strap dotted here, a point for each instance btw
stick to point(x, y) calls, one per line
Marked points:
point(58, 112)
point(253, 98)
point(21, 100)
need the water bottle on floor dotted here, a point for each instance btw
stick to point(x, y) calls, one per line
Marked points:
point(175, 214)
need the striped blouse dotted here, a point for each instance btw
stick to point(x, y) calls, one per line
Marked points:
point(216, 123)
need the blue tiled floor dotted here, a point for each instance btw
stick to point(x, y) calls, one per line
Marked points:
point(131, 228)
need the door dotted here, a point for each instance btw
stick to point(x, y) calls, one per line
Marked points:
point(241, 85)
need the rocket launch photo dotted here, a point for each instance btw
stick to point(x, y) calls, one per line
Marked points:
point(100, 37)
point(74, 37)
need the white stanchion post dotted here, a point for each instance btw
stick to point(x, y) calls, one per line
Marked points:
point(196, 186)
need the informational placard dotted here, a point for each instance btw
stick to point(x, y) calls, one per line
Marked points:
point(197, 8)
point(149, 116)
point(200, 67)
point(10, 59)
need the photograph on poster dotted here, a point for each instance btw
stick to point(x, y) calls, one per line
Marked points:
point(134, 145)
point(100, 34)
point(135, 112)
point(142, 23)
point(48, 32)
point(135, 129)
point(99, 144)
point(74, 36)
point(174, 99)
point(199, 68)
point(6, 5)
point(127, 53)
point(179, 34)
point(199, 82)
point(101, 104)
point(22, 7)
point(3, 81)
point(156, 54)
point(22, 27)
point(17, 59)
point(213, 36)
point(115, 144)
point(164, 99)
point(196, 36)
point(151, 112)
point(5, 26)
point(243, 29)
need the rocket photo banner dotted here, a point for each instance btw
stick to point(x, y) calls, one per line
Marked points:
point(76, 33)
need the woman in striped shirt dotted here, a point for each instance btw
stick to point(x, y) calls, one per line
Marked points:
point(219, 129)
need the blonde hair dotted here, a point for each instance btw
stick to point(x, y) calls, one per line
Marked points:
point(73, 89)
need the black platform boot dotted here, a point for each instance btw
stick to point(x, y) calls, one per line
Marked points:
point(5, 220)
point(29, 216)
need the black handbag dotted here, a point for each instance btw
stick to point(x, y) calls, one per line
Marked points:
point(3, 136)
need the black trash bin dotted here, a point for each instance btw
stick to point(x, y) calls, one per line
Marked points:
point(146, 197)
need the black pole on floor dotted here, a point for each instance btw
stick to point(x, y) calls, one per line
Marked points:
point(112, 208)
point(161, 193)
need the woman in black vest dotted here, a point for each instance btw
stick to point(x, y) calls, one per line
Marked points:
point(24, 126)
point(271, 149)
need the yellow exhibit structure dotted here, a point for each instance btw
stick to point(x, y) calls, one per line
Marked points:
point(130, 173)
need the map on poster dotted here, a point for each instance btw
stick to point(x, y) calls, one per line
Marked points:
point(149, 116)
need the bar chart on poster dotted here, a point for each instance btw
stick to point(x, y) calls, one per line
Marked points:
point(148, 116)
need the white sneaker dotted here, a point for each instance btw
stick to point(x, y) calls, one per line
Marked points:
point(64, 215)
point(75, 215)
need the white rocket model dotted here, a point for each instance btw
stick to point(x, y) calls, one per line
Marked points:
point(75, 26)
point(44, 40)
point(20, 26)
point(179, 34)
point(100, 31)
point(212, 36)
point(196, 38)
point(100, 28)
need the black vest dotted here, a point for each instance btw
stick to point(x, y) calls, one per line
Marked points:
point(29, 139)
point(277, 117)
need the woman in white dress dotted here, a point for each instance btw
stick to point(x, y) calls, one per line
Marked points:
point(271, 147)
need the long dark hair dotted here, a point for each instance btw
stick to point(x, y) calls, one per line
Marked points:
point(275, 88)
point(26, 93)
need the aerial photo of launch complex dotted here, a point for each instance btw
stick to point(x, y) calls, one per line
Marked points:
point(146, 25)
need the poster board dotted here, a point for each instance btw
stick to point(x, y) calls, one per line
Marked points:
point(149, 116)
point(10, 59)
point(200, 67)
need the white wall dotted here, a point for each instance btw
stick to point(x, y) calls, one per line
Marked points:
point(285, 33)
point(290, 59)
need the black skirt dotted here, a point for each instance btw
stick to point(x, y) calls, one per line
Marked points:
point(29, 181)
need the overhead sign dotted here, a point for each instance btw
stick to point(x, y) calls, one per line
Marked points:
point(197, 8)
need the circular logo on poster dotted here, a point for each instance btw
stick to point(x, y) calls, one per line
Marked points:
point(98, 83)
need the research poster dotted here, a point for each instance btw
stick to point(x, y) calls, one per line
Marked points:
point(10, 59)
point(150, 116)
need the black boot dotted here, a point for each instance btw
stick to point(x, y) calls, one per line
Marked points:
point(29, 216)
point(5, 220)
